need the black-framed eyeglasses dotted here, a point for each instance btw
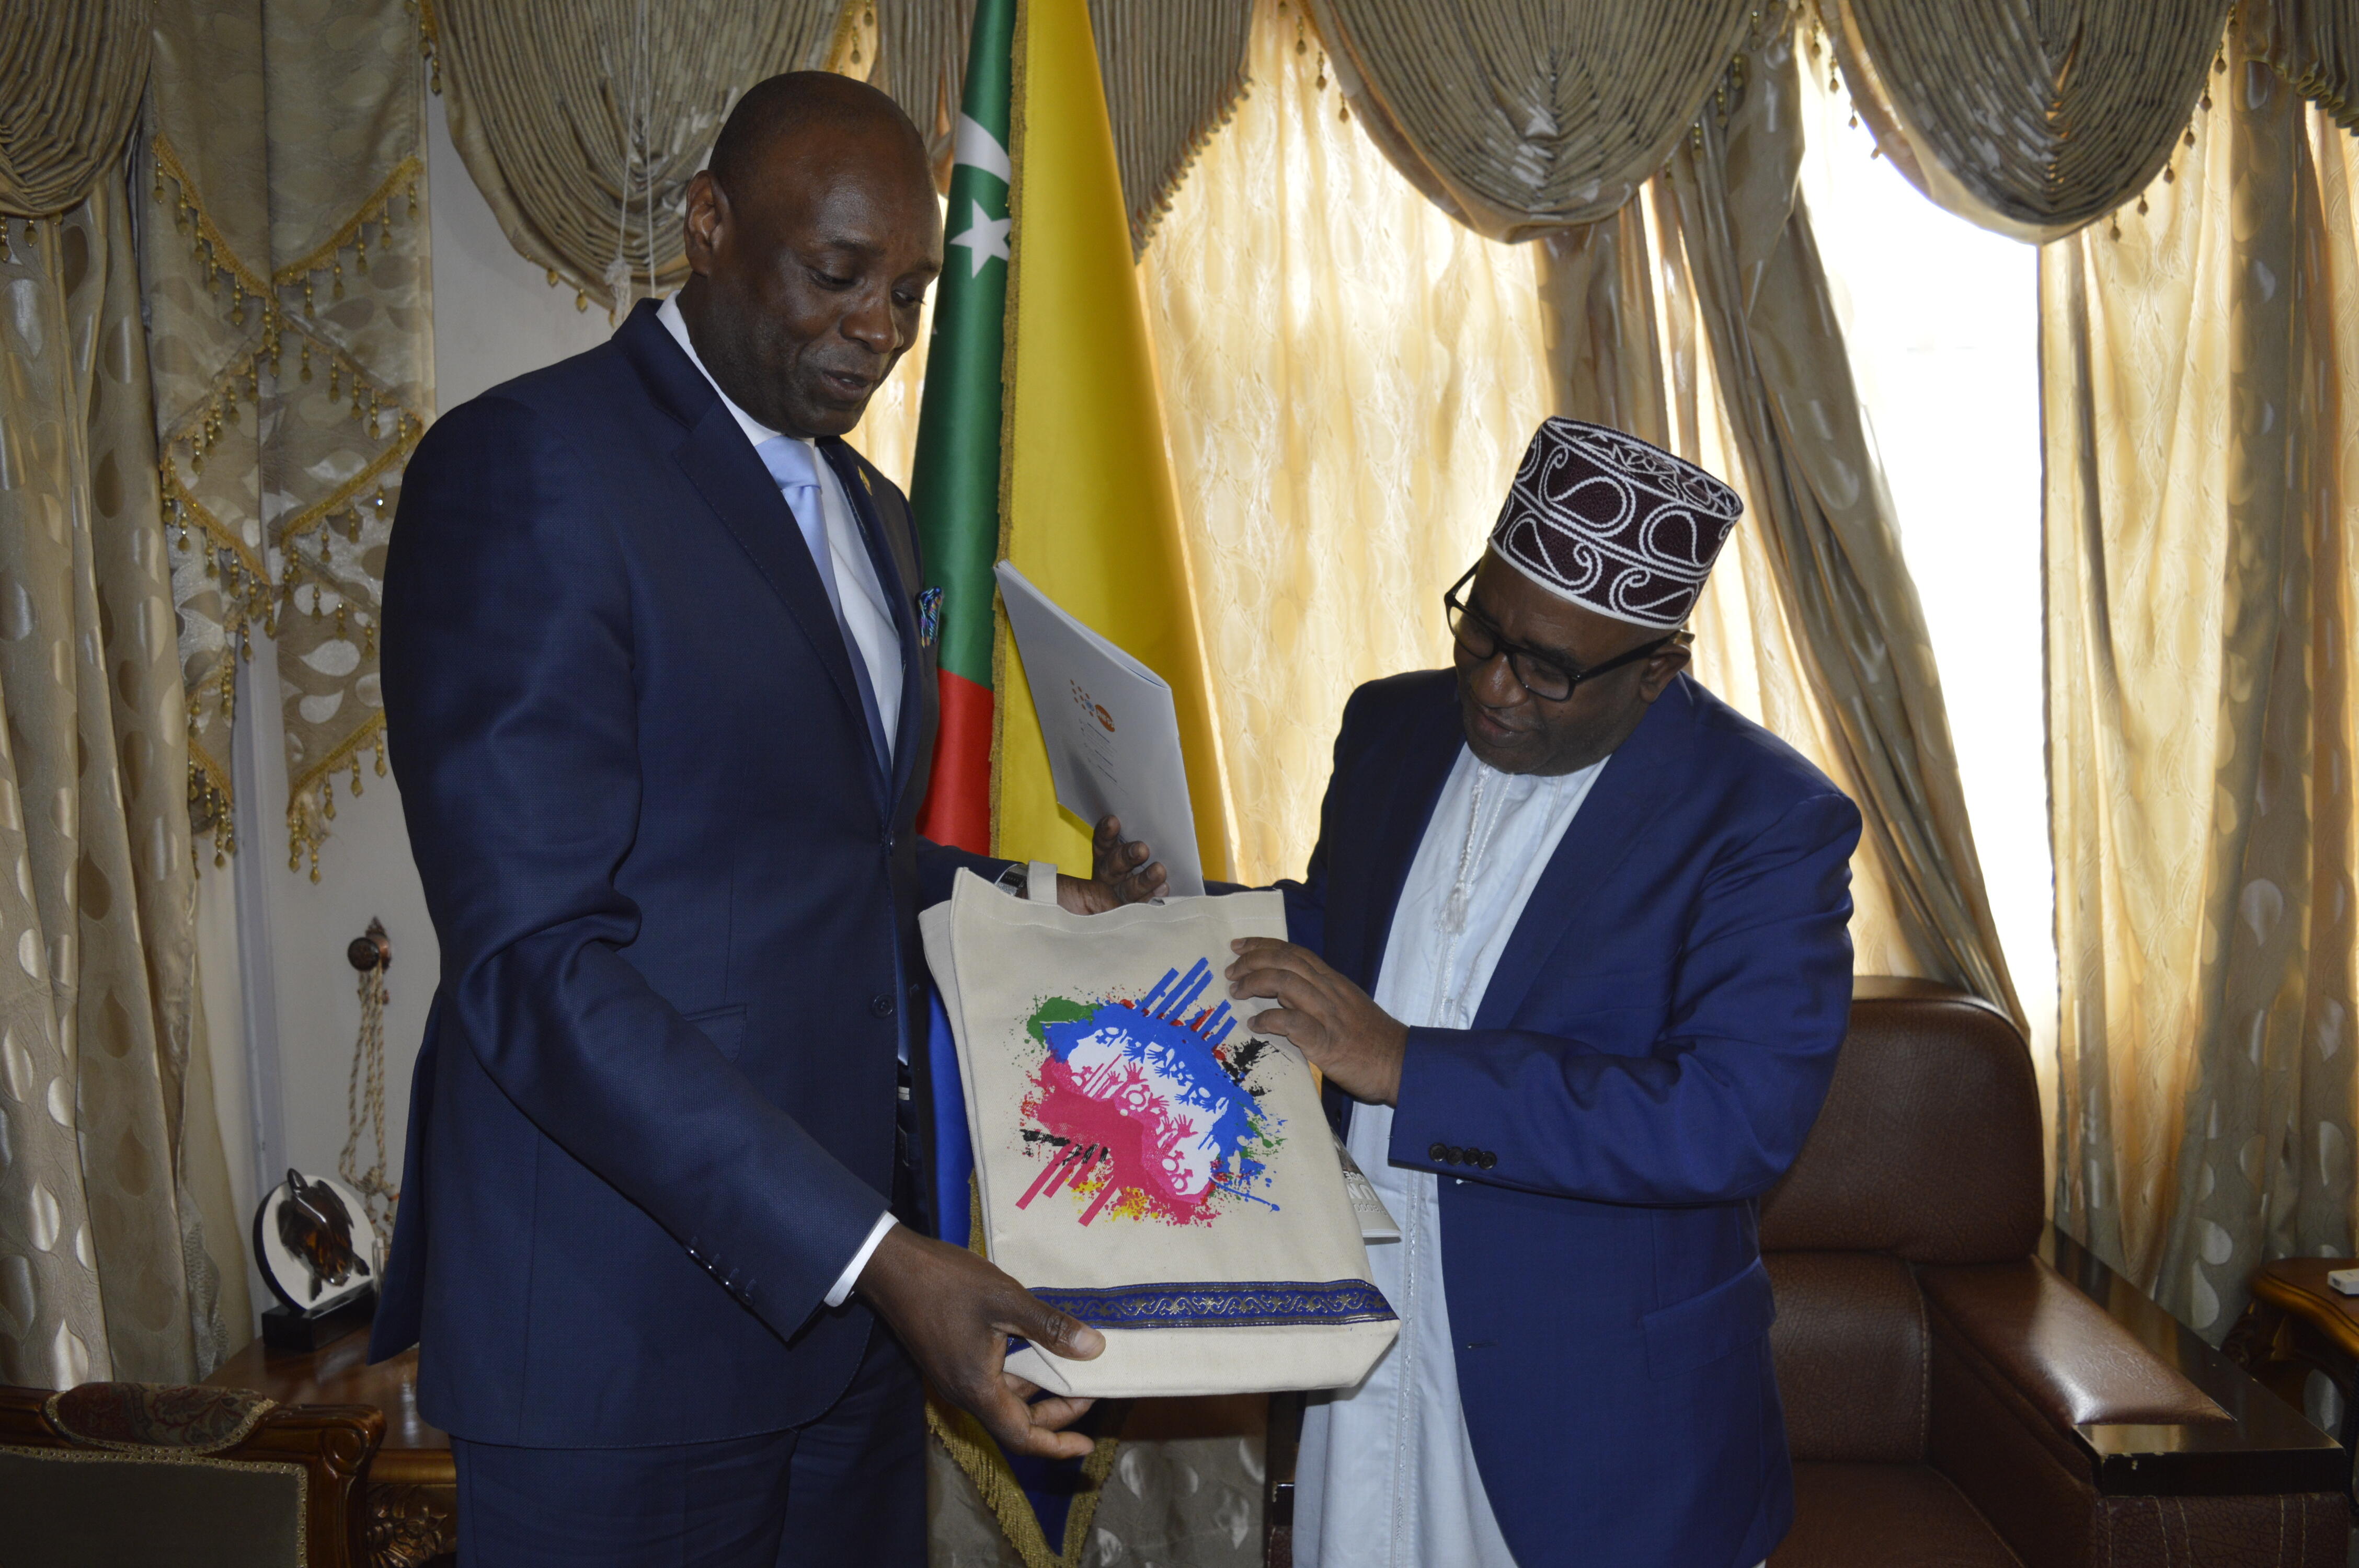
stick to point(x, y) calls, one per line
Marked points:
point(1545, 676)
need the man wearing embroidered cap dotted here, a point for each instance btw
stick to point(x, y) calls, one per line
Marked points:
point(1572, 954)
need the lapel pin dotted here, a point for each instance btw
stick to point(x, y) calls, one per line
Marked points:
point(929, 616)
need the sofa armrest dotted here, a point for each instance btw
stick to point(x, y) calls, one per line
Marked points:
point(2121, 1391)
point(2060, 1349)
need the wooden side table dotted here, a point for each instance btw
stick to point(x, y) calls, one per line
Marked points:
point(2294, 1325)
point(409, 1498)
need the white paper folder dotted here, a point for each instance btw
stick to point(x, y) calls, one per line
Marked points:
point(1112, 730)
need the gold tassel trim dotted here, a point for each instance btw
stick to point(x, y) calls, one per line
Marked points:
point(371, 210)
point(182, 508)
point(211, 792)
point(317, 514)
point(319, 776)
point(225, 256)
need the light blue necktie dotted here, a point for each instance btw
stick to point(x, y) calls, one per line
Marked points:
point(789, 462)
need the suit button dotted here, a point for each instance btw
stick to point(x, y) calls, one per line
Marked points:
point(1438, 1152)
point(1453, 1156)
point(881, 1004)
point(1489, 1159)
point(889, 843)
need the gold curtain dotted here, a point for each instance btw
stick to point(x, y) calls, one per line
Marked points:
point(1627, 347)
point(1174, 70)
point(582, 121)
point(1821, 516)
point(2028, 117)
point(110, 1157)
point(284, 262)
point(2201, 374)
point(1349, 379)
point(1521, 116)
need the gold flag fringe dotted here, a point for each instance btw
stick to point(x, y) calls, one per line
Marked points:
point(963, 1437)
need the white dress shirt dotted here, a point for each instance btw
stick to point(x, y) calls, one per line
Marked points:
point(865, 616)
point(1385, 1476)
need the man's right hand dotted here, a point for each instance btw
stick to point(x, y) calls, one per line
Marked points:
point(954, 1312)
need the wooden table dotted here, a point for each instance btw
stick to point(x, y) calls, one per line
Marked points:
point(2296, 1324)
point(409, 1499)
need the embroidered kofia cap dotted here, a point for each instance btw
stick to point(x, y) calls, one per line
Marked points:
point(1614, 522)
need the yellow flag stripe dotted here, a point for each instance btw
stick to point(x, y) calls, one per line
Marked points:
point(1090, 511)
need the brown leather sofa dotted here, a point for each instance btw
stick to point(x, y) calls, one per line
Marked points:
point(1963, 1386)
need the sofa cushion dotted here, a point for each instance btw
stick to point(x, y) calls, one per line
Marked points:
point(1884, 1516)
point(1929, 1144)
point(1853, 1368)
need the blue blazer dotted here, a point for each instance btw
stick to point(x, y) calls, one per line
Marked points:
point(653, 1117)
point(1654, 1045)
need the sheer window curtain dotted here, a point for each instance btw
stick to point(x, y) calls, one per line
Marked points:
point(2199, 376)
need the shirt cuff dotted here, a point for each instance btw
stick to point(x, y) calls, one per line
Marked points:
point(841, 1289)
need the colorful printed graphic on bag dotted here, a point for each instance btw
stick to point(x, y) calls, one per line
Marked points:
point(1140, 1110)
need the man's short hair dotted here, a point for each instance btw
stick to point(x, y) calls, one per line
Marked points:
point(781, 106)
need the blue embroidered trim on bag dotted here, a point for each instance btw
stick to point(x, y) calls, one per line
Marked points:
point(1242, 1303)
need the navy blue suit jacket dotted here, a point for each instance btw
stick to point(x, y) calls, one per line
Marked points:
point(653, 1117)
point(1653, 1047)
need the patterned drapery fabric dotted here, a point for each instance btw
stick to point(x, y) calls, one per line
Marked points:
point(1521, 116)
point(1822, 518)
point(1174, 70)
point(1626, 346)
point(284, 261)
point(582, 121)
point(2200, 379)
point(2029, 117)
point(110, 1157)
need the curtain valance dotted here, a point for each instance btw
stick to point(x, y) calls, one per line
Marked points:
point(582, 121)
point(71, 76)
point(2314, 45)
point(2028, 117)
point(1173, 70)
point(1521, 116)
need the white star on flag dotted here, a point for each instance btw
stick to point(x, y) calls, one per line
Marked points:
point(985, 238)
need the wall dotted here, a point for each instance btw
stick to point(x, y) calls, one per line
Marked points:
point(281, 1003)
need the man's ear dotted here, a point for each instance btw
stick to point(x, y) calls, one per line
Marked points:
point(703, 222)
point(1656, 676)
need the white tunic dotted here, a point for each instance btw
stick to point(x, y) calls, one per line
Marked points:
point(1386, 1475)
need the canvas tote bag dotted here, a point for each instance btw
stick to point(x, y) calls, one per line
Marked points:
point(1144, 1162)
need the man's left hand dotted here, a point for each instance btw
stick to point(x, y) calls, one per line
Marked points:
point(1355, 1042)
point(1122, 871)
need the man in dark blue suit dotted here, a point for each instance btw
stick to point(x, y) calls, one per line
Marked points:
point(1574, 944)
point(662, 714)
